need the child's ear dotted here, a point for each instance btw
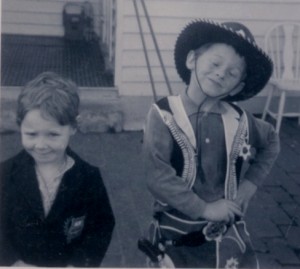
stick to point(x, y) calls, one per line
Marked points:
point(237, 89)
point(190, 60)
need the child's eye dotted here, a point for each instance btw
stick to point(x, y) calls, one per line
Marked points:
point(31, 134)
point(215, 62)
point(234, 74)
point(53, 134)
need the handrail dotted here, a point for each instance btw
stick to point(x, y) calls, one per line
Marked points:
point(156, 48)
point(145, 50)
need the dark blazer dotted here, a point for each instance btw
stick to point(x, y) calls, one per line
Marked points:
point(78, 228)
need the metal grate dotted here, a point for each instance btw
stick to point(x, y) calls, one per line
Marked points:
point(24, 57)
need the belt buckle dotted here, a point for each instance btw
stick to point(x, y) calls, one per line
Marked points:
point(214, 230)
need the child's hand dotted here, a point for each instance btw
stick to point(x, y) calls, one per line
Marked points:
point(222, 210)
point(245, 192)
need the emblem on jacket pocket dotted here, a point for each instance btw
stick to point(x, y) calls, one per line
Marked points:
point(73, 227)
point(245, 151)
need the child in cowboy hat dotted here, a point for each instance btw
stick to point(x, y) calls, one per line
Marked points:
point(54, 211)
point(204, 155)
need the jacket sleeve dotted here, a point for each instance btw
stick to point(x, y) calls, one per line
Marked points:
point(162, 180)
point(267, 146)
point(99, 225)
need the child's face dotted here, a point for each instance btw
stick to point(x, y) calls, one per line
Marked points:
point(44, 138)
point(219, 69)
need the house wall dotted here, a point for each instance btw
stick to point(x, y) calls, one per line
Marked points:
point(168, 17)
point(39, 17)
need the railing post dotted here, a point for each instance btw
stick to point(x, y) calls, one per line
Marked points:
point(145, 50)
point(156, 47)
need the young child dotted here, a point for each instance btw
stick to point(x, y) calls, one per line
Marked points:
point(196, 143)
point(54, 207)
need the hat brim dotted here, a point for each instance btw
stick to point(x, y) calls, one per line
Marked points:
point(198, 33)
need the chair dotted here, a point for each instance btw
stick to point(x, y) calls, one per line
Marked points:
point(282, 43)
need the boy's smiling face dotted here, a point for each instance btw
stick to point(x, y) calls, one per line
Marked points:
point(44, 138)
point(218, 69)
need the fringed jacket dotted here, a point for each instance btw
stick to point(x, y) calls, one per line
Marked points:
point(192, 158)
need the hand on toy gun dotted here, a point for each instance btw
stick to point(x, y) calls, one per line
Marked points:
point(222, 211)
point(158, 257)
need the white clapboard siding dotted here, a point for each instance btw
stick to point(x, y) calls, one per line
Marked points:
point(39, 17)
point(219, 9)
point(130, 59)
point(168, 17)
point(143, 89)
point(141, 75)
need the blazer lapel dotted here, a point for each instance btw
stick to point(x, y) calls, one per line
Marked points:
point(26, 184)
point(67, 189)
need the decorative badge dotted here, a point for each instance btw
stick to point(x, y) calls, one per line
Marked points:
point(73, 227)
point(232, 263)
point(245, 151)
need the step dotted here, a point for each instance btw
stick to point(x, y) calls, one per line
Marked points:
point(92, 94)
point(100, 110)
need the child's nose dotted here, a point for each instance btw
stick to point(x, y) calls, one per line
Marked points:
point(41, 143)
point(221, 72)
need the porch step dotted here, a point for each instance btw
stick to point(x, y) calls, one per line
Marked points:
point(100, 110)
point(86, 93)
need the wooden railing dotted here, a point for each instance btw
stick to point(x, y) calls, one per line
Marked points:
point(108, 27)
point(146, 14)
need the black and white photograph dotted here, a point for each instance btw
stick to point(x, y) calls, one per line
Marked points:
point(150, 134)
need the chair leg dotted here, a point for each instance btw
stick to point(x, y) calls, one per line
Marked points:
point(268, 102)
point(280, 111)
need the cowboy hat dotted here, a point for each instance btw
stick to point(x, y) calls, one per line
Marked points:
point(197, 33)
